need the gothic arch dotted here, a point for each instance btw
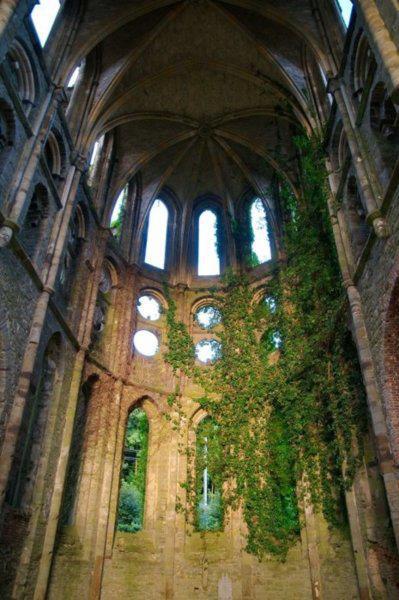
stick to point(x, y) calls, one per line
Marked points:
point(44, 396)
point(363, 64)
point(55, 154)
point(24, 74)
point(169, 199)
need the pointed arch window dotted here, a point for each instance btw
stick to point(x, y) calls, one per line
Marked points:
point(133, 476)
point(118, 212)
point(74, 77)
point(208, 255)
point(157, 233)
point(209, 506)
point(260, 245)
point(43, 16)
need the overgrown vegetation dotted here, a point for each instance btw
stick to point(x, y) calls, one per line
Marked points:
point(288, 420)
point(131, 499)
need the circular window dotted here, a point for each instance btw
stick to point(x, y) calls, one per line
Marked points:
point(146, 342)
point(208, 351)
point(149, 308)
point(208, 316)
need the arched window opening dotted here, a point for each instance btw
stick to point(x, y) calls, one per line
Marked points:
point(364, 67)
point(35, 221)
point(346, 7)
point(209, 504)
point(76, 233)
point(118, 212)
point(54, 154)
point(359, 229)
point(157, 232)
point(260, 246)
point(43, 16)
point(74, 77)
point(208, 256)
point(22, 75)
point(94, 159)
point(42, 397)
point(133, 476)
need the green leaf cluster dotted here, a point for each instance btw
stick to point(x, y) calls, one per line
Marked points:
point(289, 415)
point(131, 498)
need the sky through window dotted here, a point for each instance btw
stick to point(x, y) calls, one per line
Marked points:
point(43, 17)
point(260, 243)
point(155, 249)
point(208, 259)
point(346, 9)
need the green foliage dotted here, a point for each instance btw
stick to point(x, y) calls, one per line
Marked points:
point(131, 499)
point(180, 353)
point(285, 395)
point(116, 225)
point(208, 456)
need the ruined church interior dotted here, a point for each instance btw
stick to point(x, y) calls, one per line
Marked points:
point(199, 299)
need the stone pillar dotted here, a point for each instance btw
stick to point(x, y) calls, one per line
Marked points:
point(374, 216)
point(387, 467)
point(56, 499)
point(383, 42)
point(106, 488)
point(59, 233)
point(365, 571)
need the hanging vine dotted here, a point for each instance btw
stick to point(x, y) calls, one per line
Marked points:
point(285, 395)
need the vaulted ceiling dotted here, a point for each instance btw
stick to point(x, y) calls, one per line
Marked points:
point(203, 96)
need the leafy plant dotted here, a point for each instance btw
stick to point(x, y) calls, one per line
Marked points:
point(131, 498)
point(291, 427)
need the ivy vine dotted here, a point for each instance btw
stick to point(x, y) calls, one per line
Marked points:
point(289, 419)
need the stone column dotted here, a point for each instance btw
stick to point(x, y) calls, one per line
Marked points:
point(373, 212)
point(59, 481)
point(363, 569)
point(106, 489)
point(387, 467)
point(60, 230)
point(386, 464)
point(383, 42)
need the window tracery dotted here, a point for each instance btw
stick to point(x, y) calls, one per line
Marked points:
point(22, 74)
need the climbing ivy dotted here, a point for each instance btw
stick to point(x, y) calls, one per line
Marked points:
point(285, 395)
